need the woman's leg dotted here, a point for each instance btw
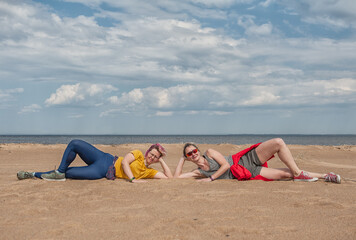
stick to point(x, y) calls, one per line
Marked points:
point(96, 170)
point(87, 152)
point(90, 155)
point(276, 173)
point(267, 149)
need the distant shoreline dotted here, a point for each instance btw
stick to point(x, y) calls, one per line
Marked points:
point(237, 139)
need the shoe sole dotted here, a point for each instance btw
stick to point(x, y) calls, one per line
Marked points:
point(306, 180)
point(338, 179)
point(25, 178)
point(20, 178)
point(54, 180)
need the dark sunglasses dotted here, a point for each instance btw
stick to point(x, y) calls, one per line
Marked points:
point(191, 152)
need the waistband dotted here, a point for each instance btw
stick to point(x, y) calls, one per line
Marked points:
point(110, 174)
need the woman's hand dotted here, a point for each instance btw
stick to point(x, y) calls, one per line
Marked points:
point(178, 173)
point(182, 159)
point(138, 181)
point(166, 169)
point(179, 167)
point(205, 180)
point(219, 158)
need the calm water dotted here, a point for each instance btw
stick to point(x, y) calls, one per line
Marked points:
point(331, 140)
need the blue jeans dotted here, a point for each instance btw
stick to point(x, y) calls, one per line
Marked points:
point(98, 162)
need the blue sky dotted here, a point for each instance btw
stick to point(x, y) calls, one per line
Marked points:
point(178, 67)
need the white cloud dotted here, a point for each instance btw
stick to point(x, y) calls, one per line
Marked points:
point(251, 28)
point(65, 95)
point(8, 95)
point(197, 98)
point(192, 112)
point(333, 91)
point(164, 114)
point(173, 58)
point(267, 3)
point(219, 113)
point(68, 94)
point(225, 99)
point(129, 99)
point(157, 49)
point(9, 92)
point(95, 89)
point(220, 3)
point(15, 90)
point(335, 13)
point(326, 20)
point(261, 97)
point(75, 116)
point(30, 109)
point(264, 29)
point(344, 85)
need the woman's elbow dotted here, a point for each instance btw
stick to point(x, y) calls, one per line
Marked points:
point(227, 166)
point(169, 176)
point(161, 175)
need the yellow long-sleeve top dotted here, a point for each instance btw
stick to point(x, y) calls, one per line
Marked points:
point(138, 167)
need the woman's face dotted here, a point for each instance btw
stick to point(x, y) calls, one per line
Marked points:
point(192, 153)
point(153, 156)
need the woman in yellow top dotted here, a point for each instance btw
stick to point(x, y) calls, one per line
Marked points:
point(134, 166)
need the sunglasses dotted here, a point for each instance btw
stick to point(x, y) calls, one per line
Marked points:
point(191, 152)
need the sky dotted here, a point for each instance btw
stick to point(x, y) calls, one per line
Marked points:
point(177, 67)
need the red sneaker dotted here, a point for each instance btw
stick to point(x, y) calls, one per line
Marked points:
point(332, 177)
point(305, 177)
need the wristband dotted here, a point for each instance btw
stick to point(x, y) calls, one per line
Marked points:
point(211, 178)
point(132, 179)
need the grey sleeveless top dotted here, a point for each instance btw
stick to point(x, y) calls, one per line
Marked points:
point(214, 166)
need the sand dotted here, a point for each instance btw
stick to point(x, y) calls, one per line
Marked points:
point(176, 209)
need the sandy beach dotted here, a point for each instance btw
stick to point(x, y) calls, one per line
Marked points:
point(176, 209)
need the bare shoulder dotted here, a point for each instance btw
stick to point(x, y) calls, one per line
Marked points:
point(211, 152)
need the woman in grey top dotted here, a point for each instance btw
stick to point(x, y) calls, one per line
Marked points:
point(248, 164)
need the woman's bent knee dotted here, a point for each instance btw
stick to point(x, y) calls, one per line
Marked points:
point(75, 142)
point(279, 142)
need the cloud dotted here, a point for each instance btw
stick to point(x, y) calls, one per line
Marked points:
point(221, 3)
point(177, 98)
point(267, 3)
point(95, 89)
point(158, 98)
point(334, 14)
point(75, 116)
point(164, 114)
point(251, 28)
point(335, 91)
point(9, 92)
point(30, 109)
point(72, 94)
point(261, 97)
point(223, 100)
point(201, 56)
point(65, 95)
point(9, 95)
point(153, 48)
point(220, 113)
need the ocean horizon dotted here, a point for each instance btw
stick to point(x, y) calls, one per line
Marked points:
point(238, 139)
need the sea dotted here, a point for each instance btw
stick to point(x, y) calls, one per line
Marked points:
point(238, 139)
